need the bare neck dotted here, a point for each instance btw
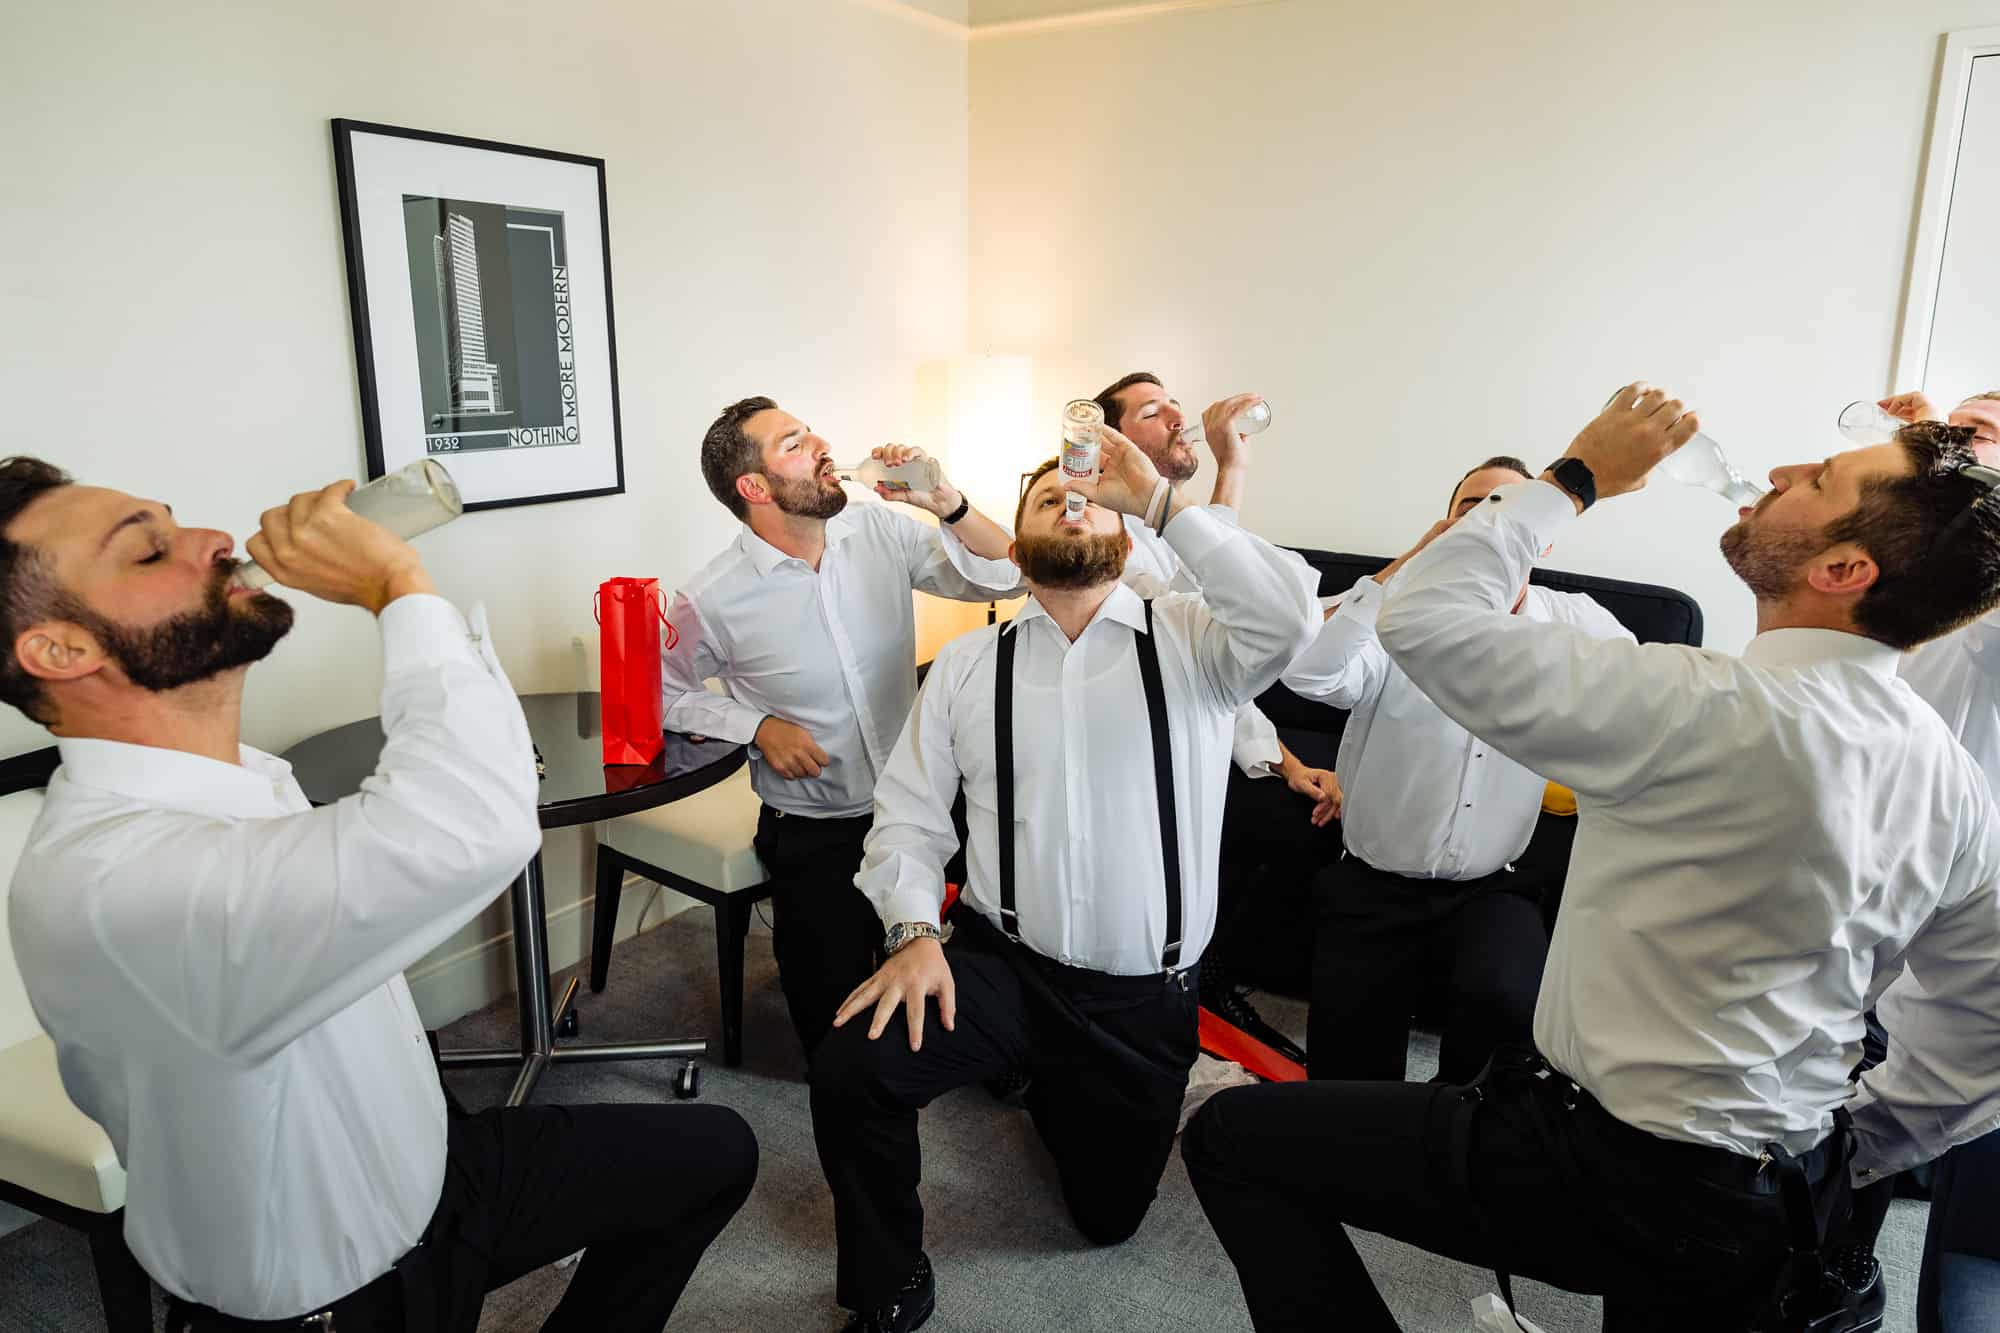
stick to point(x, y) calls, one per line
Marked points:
point(205, 718)
point(797, 536)
point(1073, 608)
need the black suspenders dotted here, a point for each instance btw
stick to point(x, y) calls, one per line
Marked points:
point(1163, 781)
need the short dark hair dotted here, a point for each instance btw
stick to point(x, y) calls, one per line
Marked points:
point(1934, 576)
point(28, 590)
point(1508, 461)
point(1021, 505)
point(727, 452)
point(1108, 400)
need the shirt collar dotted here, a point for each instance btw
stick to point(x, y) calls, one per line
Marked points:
point(175, 779)
point(1796, 647)
point(1123, 606)
point(765, 557)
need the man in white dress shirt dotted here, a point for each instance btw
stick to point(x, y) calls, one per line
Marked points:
point(1765, 842)
point(1091, 736)
point(806, 619)
point(220, 965)
point(1275, 835)
point(1435, 820)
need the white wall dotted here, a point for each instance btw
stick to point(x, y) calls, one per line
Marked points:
point(788, 189)
point(1430, 232)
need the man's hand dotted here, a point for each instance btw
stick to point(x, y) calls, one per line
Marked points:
point(319, 546)
point(1637, 428)
point(1913, 406)
point(789, 749)
point(1319, 784)
point(940, 501)
point(1218, 424)
point(913, 973)
point(1126, 478)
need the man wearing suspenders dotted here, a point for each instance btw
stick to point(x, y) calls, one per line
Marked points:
point(1094, 729)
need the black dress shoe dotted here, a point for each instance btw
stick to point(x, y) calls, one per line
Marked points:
point(1232, 1005)
point(1011, 1087)
point(909, 1311)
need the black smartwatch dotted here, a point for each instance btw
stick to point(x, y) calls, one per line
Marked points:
point(1573, 475)
point(964, 508)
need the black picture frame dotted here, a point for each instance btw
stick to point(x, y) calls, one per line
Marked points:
point(388, 447)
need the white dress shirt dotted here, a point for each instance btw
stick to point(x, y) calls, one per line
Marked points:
point(220, 966)
point(1089, 868)
point(833, 652)
point(1763, 843)
point(1959, 675)
point(1425, 797)
point(1152, 569)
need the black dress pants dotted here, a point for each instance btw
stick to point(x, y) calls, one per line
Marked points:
point(825, 934)
point(641, 1189)
point(1270, 856)
point(1109, 1058)
point(1383, 941)
point(1674, 1236)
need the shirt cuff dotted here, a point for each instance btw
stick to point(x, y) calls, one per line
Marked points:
point(423, 629)
point(1544, 509)
point(1194, 532)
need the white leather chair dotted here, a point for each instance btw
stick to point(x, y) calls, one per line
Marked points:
point(701, 846)
point(54, 1160)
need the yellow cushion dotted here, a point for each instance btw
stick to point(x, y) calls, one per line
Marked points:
point(706, 838)
point(46, 1144)
point(1558, 800)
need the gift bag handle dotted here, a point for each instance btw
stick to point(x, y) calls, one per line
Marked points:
point(659, 609)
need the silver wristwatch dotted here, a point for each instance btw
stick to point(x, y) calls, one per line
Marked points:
point(904, 931)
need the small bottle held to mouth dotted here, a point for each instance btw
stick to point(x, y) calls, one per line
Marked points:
point(919, 474)
point(1252, 420)
point(1865, 422)
point(1701, 462)
point(1082, 418)
point(408, 502)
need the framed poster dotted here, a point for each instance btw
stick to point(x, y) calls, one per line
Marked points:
point(479, 277)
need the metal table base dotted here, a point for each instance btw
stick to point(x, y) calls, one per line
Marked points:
point(540, 1018)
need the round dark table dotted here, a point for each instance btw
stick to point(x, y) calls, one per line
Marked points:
point(577, 787)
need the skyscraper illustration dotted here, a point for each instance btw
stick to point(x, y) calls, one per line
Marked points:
point(475, 381)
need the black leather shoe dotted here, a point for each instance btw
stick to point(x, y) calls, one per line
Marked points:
point(1232, 1005)
point(1011, 1087)
point(909, 1311)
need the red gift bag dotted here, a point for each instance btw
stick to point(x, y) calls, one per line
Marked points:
point(630, 614)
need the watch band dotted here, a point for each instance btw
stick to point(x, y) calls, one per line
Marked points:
point(964, 508)
point(1574, 476)
point(903, 932)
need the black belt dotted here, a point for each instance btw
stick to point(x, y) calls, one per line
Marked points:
point(1163, 780)
point(407, 1290)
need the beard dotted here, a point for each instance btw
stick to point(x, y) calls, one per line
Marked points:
point(1177, 462)
point(195, 645)
point(805, 497)
point(1768, 559)
point(1071, 562)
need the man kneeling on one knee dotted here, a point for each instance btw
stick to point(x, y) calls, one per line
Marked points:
point(1095, 730)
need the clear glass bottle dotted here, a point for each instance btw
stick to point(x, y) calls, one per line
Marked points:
point(1082, 418)
point(408, 502)
point(1863, 422)
point(920, 474)
point(1701, 462)
point(1252, 420)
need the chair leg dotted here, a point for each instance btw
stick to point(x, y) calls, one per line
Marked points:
point(604, 917)
point(122, 1286)
point(732, 925)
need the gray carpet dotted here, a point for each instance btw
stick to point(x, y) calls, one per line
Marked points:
point(1008, 1260)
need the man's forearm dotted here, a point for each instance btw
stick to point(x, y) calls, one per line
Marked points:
point(982, 536)
point(1231, 482)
